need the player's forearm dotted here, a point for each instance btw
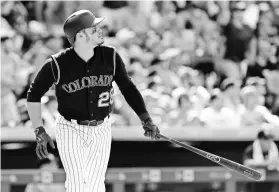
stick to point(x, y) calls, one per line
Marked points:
point(34, 111)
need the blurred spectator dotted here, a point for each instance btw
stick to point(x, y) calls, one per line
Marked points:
point(238, 44)
point(258, 83)
point(53, 14)
point(265, 59)
point(137, 12)
point(186, 75)
point(231, 89)
point(12, 10)
point(115, 12)
point(165, 45)
point(122, 114)
point(263, 153)
point(272, 80)
point(16, 15)
point(151, 99)
point(163, 16)
point(200, 97)
point(9, 82)
point(5, 24)
point(216, 115)
point(238, 34)
point(183, 113)
point(49, 164)
point(254, 113)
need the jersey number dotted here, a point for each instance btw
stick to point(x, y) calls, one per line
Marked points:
point(105, 99)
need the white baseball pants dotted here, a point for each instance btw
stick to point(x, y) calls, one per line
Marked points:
point(84, 152)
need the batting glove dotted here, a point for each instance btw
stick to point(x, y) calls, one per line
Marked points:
point(151, 130)
point(42, 139)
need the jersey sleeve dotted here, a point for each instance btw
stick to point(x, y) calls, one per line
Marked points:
point(121, 76)
point(42, 82)
point(128, 89)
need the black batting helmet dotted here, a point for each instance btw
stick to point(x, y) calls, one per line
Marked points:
point(78, 21)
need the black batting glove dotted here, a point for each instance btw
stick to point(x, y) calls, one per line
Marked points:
point(42, 139)
point(151, 130)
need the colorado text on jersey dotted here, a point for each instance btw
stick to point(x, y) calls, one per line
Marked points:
point(85, 82)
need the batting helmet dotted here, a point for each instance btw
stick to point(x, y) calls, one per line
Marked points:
point(77, 21)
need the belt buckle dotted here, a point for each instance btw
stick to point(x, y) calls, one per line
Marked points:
point(91, 122)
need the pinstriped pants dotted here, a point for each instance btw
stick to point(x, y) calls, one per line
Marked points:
point(84, 152)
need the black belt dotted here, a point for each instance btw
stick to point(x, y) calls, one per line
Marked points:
point(86, 122)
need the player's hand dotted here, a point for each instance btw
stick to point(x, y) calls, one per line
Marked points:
point(42, 139)
point(151, 130)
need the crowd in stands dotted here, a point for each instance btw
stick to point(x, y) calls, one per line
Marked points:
point(196, 63)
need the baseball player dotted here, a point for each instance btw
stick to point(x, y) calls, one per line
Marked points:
point(83, 75)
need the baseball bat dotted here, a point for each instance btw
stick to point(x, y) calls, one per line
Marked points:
point(246, 171)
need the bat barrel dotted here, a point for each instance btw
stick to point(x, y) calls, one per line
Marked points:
point(248, 172)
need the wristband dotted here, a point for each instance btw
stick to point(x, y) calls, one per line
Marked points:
point(145, 117)
point(147, 122)
point(39, 130)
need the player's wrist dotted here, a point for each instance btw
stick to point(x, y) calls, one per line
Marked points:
point(147, 122)
point(39, 130)
point(145, 117)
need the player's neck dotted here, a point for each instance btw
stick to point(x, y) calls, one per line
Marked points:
point(84, 52)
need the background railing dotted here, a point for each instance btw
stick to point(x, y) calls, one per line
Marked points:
point(189, 133)
point(165, 165)
point(119, 177)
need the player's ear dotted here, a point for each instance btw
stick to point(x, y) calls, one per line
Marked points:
point(79, 35)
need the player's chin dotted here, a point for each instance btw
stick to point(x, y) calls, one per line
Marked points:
point(101, 41)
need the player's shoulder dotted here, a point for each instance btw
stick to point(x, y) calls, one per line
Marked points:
point(62, 56)
point(109, 47)
point(63, 53)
